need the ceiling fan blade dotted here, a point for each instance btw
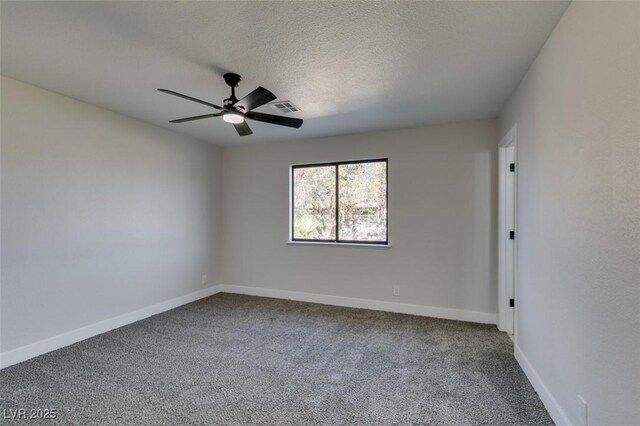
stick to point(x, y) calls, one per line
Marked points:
point(243, 128)
point(189, 98)
point(197, 117)
point(257, 98)
point(274, 119)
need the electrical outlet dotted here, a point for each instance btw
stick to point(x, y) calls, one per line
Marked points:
point(204, 279)
point(583, 411)
point(396, 290)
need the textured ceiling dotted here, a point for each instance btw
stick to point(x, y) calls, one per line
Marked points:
point(350, 66)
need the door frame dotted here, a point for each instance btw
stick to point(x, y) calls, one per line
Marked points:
point(507, 221)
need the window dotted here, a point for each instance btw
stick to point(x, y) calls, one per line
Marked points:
point(343, 202)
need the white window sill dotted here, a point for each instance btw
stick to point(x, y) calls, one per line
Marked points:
point(322, 243)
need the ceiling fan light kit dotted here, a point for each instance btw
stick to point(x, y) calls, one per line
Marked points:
point(232, 117)
point(236, 111)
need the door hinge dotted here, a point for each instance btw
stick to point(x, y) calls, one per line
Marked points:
point(512, 167)
point(512, 235)
point(512, 303)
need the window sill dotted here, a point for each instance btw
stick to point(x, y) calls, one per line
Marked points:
point(322, 243)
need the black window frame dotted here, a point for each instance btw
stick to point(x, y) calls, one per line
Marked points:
point(335, 164)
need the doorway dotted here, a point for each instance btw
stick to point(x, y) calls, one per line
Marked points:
point(507, 232)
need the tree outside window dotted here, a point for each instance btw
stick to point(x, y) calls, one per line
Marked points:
point(340, 202)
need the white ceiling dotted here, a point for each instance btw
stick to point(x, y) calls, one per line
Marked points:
point(350, 66)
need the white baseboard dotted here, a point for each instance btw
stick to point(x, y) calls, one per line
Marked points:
point(32, 350)
point(556, 412)
point(376, 305)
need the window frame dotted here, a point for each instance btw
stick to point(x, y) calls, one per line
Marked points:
point(337, 240)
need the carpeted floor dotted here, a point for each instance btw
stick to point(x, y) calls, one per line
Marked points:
point(232, 359)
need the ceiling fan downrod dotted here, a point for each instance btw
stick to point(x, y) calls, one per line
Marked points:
point(232, 81)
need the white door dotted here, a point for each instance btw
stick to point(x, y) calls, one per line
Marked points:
point(506, 238)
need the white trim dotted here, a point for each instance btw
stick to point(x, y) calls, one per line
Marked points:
point(507, 255)
point(325, 243)
point(510, 138)
point(32, 350)
point(556, 412)
point(376, 305)
point(41, 347)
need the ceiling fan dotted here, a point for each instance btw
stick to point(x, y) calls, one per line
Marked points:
point(235, 111)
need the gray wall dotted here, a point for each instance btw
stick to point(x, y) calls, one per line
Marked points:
point(441, 219)
point(578, 118)
point(101, 214)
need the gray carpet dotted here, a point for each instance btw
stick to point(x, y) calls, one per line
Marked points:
point(232, 359)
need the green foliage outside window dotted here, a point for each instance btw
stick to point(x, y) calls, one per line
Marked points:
point(361, 213)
